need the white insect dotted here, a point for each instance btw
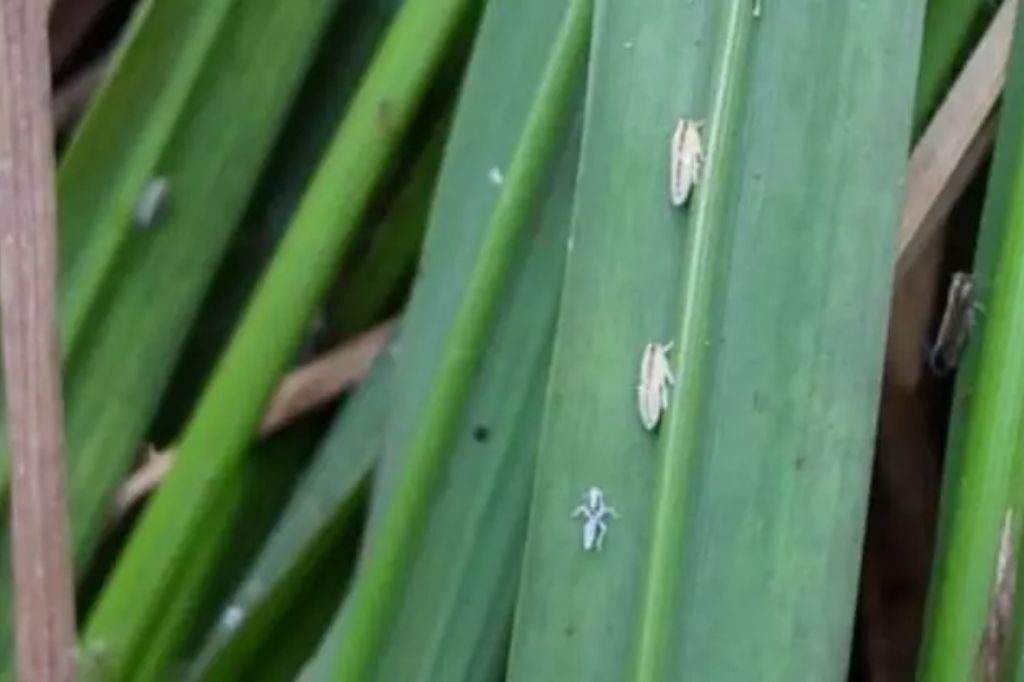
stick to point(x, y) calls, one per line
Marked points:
point(655, 379)
point(496, 177)
point(594, 511)
point(687, 159)
point(757, 9)
point(152, 202)
point(232, 617)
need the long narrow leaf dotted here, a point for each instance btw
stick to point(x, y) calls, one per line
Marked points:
point(320, 509)
point(949, 30)
point(146, 578)
point(102, 176)
point(770, 473)
point(117, 371)
point(681, 438)
point(375, 592)
point(346, 47)
point(982, 497)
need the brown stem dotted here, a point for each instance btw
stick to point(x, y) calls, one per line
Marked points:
point(44, 599)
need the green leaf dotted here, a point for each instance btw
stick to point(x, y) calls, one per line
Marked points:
point(381, 272)
point(370, 611)
point(124, 354)
point(156, 562)
point(302, 538)
point(681, 436)
point(458, 597)
point(984, 470)
point(345, 49)
point(950, 30)
point(118, 147)
point(774, 284)
point(125, 350)
point(246, 508)
point(464, 576)
point(320, 510)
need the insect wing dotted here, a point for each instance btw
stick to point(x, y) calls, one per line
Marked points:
point(687, 156)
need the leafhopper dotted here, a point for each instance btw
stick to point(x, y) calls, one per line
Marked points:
point(687, 159)
point(655, 379)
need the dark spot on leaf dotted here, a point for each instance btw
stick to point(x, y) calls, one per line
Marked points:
point(481, 434)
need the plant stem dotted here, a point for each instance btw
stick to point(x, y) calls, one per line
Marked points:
point(44, 607)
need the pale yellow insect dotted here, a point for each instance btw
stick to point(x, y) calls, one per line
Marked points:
point(687, 160)
point(655, 381)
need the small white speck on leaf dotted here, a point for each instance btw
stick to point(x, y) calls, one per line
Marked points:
point(232, 617)
point(152, 202)
point(496, 177)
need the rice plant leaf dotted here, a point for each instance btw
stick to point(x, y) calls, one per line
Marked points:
point(348, 45)
point(390, 259)
point(322, 508)
point(146, 578)
point(967, 628)
point(174, 262)
point(495, 483)
point(117, 148)
point(303, 539)
point(319, 511)
point(369, 612)
point(504, 74)
point(773, 281)
point(116, 373)
point(626, 249)
point(950, 28)
point(458, 597)
point(345, 48)
point(493, 133)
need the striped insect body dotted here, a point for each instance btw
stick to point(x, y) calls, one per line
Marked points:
point(656, 380)
point(687, 154)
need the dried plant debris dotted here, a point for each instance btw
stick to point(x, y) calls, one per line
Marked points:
point(1000, 617)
